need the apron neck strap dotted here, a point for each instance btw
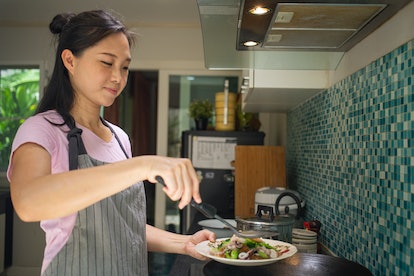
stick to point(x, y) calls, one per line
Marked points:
point(116, 136)
point(76, 146)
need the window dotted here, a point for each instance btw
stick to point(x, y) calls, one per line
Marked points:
point(19, 96)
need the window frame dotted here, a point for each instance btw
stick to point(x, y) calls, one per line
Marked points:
point(22, 65)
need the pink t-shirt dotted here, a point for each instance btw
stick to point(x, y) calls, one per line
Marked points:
point(53, 138)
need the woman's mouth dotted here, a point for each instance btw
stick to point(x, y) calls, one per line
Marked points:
point(113, 91)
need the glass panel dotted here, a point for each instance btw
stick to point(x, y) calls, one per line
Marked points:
point(19, 96)
point(183, 89)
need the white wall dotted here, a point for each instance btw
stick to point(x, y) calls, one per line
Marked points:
point(156, 48)
point(162, 48)
point(22, 44)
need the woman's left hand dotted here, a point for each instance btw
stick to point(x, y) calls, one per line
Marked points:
point(193, 240)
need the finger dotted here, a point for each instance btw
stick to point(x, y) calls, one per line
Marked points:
point(170, 186)
point(178, 178)
point(194, 182)
point(175, 191)
point(196, 187)
point(166, 189)
point(187, 187)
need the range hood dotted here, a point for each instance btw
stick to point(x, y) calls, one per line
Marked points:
point(300, 43)
point(295, 35)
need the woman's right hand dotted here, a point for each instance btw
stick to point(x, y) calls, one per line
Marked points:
point(180, 179)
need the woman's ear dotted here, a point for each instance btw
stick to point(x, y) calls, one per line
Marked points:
point(67, 59)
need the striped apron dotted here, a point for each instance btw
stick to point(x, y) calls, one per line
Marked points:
point(109, 236)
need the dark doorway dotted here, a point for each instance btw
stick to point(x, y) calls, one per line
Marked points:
point(136, 112)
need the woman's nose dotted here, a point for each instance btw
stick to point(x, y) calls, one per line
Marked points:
point(116, 75)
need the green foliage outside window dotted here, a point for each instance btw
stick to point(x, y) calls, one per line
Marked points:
point(19, 95)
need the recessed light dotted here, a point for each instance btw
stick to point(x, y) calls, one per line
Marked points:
point(250, 43)
point(259, 10)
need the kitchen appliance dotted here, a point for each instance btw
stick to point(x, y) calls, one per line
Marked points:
point(268, 213)
point(265, 199)
point(281, 226)
point(295, 35)
point(212, 154)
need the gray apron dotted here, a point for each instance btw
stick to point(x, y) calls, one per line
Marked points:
point(109, 236)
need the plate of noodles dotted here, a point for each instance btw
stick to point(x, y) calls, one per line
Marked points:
point(246, 252)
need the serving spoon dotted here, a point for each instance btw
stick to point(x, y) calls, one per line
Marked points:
point(211, 212)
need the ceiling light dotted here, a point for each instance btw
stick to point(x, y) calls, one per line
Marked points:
point(250, 43)
point(259, 10)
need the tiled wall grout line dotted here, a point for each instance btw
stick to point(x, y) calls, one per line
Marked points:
point(350, 153)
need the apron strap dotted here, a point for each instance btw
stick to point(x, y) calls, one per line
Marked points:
point(116, 137)
point(76, 146)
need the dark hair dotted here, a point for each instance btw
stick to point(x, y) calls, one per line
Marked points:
point(76, 33)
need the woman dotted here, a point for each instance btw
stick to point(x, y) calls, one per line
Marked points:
point(92, 208)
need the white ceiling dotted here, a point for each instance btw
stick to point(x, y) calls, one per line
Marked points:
point(135, 13)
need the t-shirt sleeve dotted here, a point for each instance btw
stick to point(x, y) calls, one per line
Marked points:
point(34, 130)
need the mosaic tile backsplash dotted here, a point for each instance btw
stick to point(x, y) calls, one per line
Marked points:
point(350, 154)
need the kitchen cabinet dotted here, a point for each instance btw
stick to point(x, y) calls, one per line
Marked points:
point(256, 167)
point(280, 90)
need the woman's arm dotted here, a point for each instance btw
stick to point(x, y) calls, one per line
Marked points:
point(163, 241)
point(38, 195)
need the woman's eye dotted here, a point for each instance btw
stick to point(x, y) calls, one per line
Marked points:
point(107, 63)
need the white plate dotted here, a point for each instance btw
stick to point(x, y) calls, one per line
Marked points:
point(204, 249)
point(303, 241)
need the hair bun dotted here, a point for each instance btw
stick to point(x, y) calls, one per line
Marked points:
point(59, 22)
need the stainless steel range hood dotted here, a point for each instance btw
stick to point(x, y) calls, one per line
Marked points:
point(322, 26)
point(301, 43)
point(296, 35)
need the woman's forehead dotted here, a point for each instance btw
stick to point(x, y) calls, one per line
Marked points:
point(114, 44)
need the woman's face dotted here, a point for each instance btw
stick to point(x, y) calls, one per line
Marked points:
point(100, 73)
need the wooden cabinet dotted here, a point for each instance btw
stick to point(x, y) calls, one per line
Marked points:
point(256, 167)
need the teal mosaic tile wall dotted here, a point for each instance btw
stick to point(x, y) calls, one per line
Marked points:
point(350, 153)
